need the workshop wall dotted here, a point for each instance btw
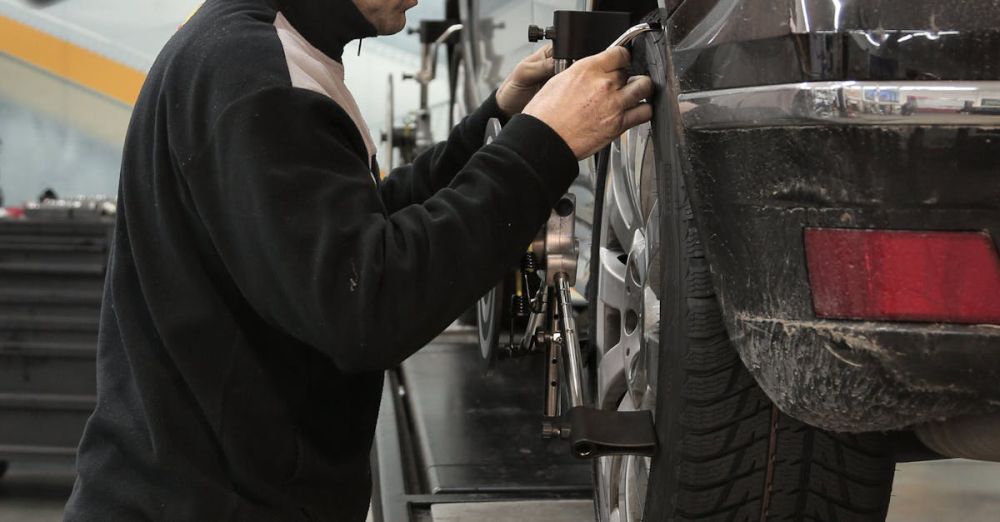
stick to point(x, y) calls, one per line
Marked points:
point(70, 72)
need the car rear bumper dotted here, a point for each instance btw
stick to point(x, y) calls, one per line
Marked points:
point(858, 376)
point(769, 162)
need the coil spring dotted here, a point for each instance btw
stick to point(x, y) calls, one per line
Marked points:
point(520, 306)
point(529, 263)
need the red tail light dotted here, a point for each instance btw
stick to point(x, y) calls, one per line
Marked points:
point(904, 276)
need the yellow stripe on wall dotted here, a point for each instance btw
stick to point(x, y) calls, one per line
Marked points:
point(71, 62)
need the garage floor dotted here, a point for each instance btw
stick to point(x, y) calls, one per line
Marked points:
point(925, 492)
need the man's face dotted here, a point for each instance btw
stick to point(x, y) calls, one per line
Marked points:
point(388, 16)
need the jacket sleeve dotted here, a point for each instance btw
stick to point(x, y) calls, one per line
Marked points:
point(297, 220)
point(434, 168)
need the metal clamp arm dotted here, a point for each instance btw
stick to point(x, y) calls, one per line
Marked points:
point(634, 32)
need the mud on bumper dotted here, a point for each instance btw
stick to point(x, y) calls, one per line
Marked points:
point(871, 376)
point(755, 190)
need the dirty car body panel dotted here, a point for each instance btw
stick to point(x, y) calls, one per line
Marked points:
point(841, 114)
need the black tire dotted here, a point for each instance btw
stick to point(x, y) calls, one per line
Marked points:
point(725, 452)
point(4, 466)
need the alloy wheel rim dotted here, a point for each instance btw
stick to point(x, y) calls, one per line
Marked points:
point(627, 318)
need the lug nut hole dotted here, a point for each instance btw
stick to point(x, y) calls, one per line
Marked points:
point(631, 321)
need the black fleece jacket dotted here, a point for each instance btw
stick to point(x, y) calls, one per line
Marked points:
point(260, 279)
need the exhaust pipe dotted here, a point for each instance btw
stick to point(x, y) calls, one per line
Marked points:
point(974, 437)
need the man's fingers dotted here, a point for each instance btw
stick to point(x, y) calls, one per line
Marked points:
point(636, 89)
point(637, 115)
point(533, 72)
point(544, 52)
point(536, 68)
point(540, 54)
point(613, 59)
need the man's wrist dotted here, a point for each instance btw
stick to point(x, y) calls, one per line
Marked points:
point(502, 107)
point(494, 109)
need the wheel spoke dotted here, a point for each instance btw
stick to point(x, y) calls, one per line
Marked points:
point(636, 167)
point(653, 250)
point(635, 478)
point(609, 471)
point(611, 377)
point(623, 215)
point(612, 280)
point(623, 230)
point(651, 352)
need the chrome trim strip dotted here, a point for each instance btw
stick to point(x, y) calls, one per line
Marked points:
point(845, 103)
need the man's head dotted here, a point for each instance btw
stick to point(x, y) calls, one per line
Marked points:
point(388, 16)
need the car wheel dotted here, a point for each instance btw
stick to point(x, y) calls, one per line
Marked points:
point(458, 107)
point(724, 451)
point(457, 110)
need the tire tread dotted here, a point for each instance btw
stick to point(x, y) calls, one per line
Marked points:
point(725, 428)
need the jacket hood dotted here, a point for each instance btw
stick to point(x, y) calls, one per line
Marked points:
point(328, 24)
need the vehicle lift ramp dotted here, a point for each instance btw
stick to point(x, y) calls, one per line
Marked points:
point(448, 434)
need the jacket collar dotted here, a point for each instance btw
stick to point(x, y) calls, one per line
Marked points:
point(327, 24)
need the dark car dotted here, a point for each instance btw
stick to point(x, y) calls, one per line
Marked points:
point(795, 265)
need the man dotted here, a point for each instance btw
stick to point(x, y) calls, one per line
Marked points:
point(263, 277)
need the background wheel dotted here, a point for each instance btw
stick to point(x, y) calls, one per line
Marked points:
point(724, 452)
point(458, 107)
point(493, 320)
point(457, 110)
point(489, 315)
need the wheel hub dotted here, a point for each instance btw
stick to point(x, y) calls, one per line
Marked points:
point(634, 331)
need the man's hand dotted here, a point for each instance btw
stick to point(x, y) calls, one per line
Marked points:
point(592, 102)
point(525, 81)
